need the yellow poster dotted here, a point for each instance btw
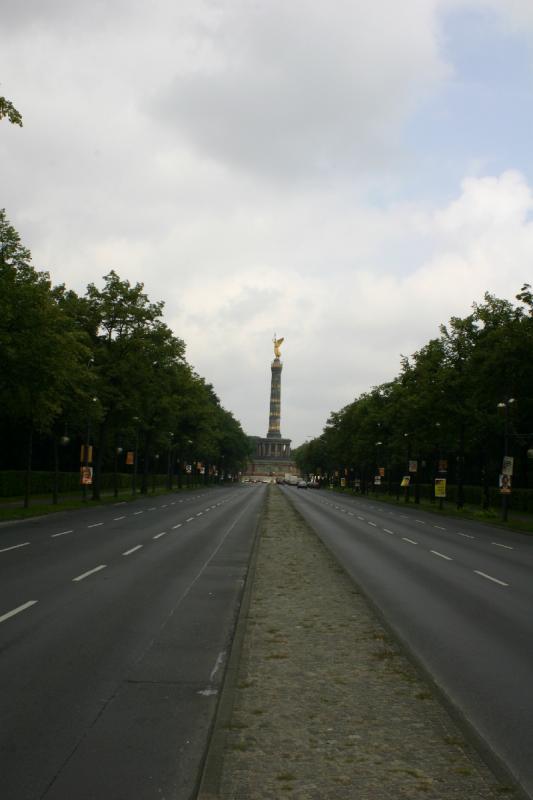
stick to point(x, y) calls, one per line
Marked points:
point(440, 487)
point(406, 480)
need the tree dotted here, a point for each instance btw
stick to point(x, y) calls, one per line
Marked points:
point(40, 350)
point(7, 109)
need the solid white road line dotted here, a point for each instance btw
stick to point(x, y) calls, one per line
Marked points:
point(159, 535)
point(95, 525)
point(441, 555)
point(507, 547)
point(409, 540)
point(116, 519)
point(490, 578)
point(63, 533)
point(14, 547)
point(17, 610)
point(133, 549)
point(90, 572)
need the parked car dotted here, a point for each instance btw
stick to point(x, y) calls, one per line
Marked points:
point(302, 485)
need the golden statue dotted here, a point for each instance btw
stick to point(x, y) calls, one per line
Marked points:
point(277, 343)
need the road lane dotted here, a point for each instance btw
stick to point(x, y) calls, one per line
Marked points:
point(466, 617)
point(110, 682)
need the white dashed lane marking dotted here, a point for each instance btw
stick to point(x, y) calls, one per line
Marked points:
point(490, 578)
point(62, 533)
point(190, 519)
point(158, 535)
point(95, 525)
point(90, 572)
point(507, 546)
point(132, 550)
point(387, 531)
point(17, 610)
point(14, 547)
point(411, 541)
point(441, 555)
point(177, 526)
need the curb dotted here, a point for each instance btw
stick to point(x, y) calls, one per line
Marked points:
point(209, 781)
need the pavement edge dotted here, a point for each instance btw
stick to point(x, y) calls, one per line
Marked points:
point(211, 773)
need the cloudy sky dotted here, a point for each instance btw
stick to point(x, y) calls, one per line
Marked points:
point(345, 174)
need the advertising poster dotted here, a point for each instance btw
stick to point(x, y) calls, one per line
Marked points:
point(440, 487)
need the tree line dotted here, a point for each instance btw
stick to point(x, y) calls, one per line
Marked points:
point(457, 407)
point(101, 369)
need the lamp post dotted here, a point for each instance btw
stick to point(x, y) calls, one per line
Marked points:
point(378, 445)
point(169, 461)
point(506, 472)
point(118, 451)
point(87, 452)
point(408, 441)
point(134, 474)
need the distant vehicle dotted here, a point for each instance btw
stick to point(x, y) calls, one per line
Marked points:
point(302, 485)
point(291, 480)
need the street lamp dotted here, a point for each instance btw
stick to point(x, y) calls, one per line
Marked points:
point(134, 475)
point(507, 470)
point(408, 442)
point(169, 462)
point(378, 473)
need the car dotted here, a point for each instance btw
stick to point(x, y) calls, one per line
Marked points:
point(301, 485)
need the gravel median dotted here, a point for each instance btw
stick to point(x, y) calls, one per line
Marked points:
point(324, 703)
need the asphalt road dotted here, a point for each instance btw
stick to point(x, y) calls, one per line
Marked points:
point(459, 594)
point(115, 624)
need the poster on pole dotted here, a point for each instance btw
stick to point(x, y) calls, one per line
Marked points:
point(86, 476)
point(440, 487)
point(130, 457)
point(413, 466)
point(381, 472)
point(377, 480)
point(406, 480)
point(505, 483)
point(507, 466)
